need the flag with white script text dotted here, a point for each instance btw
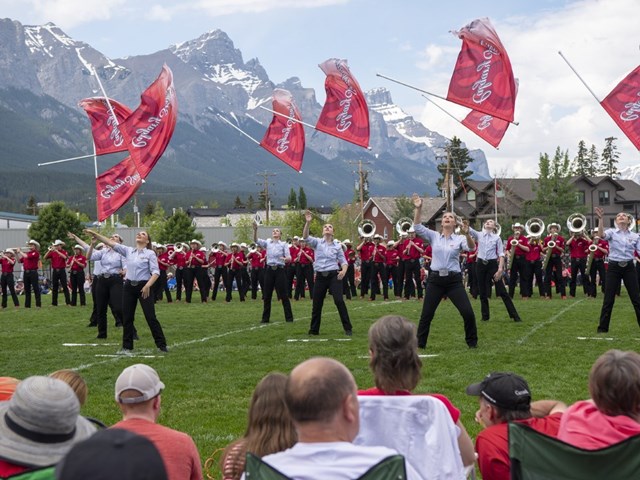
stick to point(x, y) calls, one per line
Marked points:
point(285, 136)
point(105, 127)
point(623, 105)
point(116, 186)
point(487, 127)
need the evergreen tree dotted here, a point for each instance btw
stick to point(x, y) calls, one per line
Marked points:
point(609, 159)
point(251, 203)
point(292, 201)
point(154, 221)
point(32, 206)
point(262, 200)
point(460, 160)
point(54, 222)
point(404, 208)
point(302, 199)
point(179, 228)
point(238, 203)
point(581, 161)
point(148, 209)
point(592, 162)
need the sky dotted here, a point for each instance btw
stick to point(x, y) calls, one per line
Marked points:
point(407, 40)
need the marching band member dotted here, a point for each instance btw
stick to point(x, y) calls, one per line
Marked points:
point(410, 251)
point(331, 266)
point(379, 269)
point(164, 263)
point(195, 259)
point(291, 267)
point(349, 280)
point(518, 245)
point(277, 256)
point(244, 270)
point(8, 261)
point(489, 269)
point(597, 266)
point(555, 262)
point(470, 266)
point(77, 263)
point(392, 259)
point(445, 278)
point(534, 268)
point(304, 270)
point(178, 258)
point(221, 272)
point(58, 259)
point(235, 262)
point(365, 249)
point(257, 259)
point(108, 267)
point(578, 252)
point(622, 245)
point(30, 278)
point(141, 265)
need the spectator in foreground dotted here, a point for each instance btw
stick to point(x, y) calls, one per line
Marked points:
point(113, 454)
point(322, 399)
point(504, 398)
point(394, 360)
point(7, 387)
point(613, 413)
point(75, 381)
point(39, 424)
point(138, 393)
point(269, 428)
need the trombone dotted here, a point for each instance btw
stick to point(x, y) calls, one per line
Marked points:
point(366, 229)
point(512, 252)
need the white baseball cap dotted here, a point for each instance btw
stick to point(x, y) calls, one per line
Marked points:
point(141, 378)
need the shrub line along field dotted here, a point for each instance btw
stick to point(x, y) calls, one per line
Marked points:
point(219, 351)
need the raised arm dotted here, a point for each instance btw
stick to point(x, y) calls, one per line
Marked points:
point(417, 208)
point(102, 238)
point(307, 221)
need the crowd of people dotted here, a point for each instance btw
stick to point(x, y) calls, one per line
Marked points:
point(305, 425)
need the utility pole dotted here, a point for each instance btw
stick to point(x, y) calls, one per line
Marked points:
point(361, 175)
point(265, 190)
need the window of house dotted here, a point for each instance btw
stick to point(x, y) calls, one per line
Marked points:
point(580, 198)
point(627, 206)
point(471, 195)
point(603, 197)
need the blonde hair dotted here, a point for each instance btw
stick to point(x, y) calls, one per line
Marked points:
point(75, 381)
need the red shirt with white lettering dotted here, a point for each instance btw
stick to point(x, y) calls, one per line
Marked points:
point(579, 248)
point(366, 251)
point(58, 258)
point(30, 260)
point(77, 263)
point(304, 260)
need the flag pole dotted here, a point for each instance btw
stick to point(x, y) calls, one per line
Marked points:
point(495, 199)
point(293, 119)
point(66, 160)
point(579, 77)
point(106, 99)
point(410, 86)
point(238, 129)
point(429, 100)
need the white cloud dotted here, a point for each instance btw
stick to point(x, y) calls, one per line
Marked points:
point(73, 12)
point(553, 107)
point(216, 8)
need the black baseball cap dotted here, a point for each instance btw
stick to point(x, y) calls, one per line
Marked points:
point(505, 390)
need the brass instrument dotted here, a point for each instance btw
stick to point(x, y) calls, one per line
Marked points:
point(547, 256)
point(576, 223)
point(179, 247)
point(403, 225)
point(512, 252)
point(534, 227)
point(592, 251)
point(366, 229)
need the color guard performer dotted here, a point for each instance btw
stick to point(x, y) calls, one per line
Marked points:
point(77, 263)
point(349, 280)
point(277, 256)
point(518, 246)
point(598, 269)
point(8, 262)
point(331, 266)
point(445, 278)
point(623, 243)
point(30, 278)
point(555, 261)
point(304, 270)
point(578, 251)
point(244, 271)
point(58, 259)
point(379, 269)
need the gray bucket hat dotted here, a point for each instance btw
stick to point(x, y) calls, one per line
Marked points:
point(41, 422)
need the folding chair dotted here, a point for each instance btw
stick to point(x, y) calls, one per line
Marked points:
point(416, 426)
point(43, 473)
point(391, 468)
point(535, 456)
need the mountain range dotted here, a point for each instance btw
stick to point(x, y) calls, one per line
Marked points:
point(44, 74)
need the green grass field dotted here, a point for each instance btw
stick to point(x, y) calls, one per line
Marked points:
point(218, 352)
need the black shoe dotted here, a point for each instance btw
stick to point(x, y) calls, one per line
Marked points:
point(118, 325)
point(473, 345)
point(603, 330)
point(92, 325)
point(101, 336)
point(485, 319)
point(311, 332)
point(163, 349)
point(264, 321)
point(290, 320)
point(348, 333)
point(517, 319)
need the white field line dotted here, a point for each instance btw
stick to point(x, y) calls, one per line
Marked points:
point(89, 344)
point(609, 339)
point(548, 322)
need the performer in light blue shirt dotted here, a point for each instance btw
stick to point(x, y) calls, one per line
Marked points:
point(331, 266)
point(445, 278)
point(623, 243)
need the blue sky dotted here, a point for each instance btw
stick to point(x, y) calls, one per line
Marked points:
point(407, 40)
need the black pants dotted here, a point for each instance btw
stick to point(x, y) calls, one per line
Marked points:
point(485, 273)
point(348, 282)
point(131, 295)
point(220, 274)
point(379, 274)
point(257, 278)
point(304, 274)
point(534, 270)
point(365, 277)
point(59, 277)
point(237, 275)
point(555, 262)
point(450, 286)
point(579, 265)
point(597, 269)
point(197, 274)
point(472, 278)
point(161, 287)
point(518, 272)
point(8, 283)
point(290, 269)
point(108, 294)
point(179, 282)
point(31, 282)
point(275, 279)
point(615, 274)
point(328, 281)
point(77, 287)
point(411, 275)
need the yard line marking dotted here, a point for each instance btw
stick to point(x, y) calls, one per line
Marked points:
point(548, 322)
point(132, 355)
point(307, 340)
point(89, 344)
point(596, 338)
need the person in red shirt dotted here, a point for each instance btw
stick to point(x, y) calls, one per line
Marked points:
point(221, 272)
point(597, 265)
point(195, 259)
point(291, 267)
point(30, 279)
point(555, 260)
point(411, 249)
point(58, 258)
point(379, 272)
point(503, 398)
point(236, 260)
point(304, 272)
point(578, 251)
point(257, 260)
point(365, 249)
point(77, 263)
point(392, 261)
point(164, 263)
point(534, 269)
point(349, 280)
point(518, 269)
point(470, 266)
point(8, 261)
point(178, 258)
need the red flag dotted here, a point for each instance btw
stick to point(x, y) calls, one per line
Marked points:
point(623, 105)
point(490, 129)
point(116, 186)
point(105, 129)
point(345, 113)
point(482, 78)
point(150, 127)
point(285, 137)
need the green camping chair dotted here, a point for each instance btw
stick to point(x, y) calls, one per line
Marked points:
point(535, 456)
point(43, 473)
point(391, 468)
